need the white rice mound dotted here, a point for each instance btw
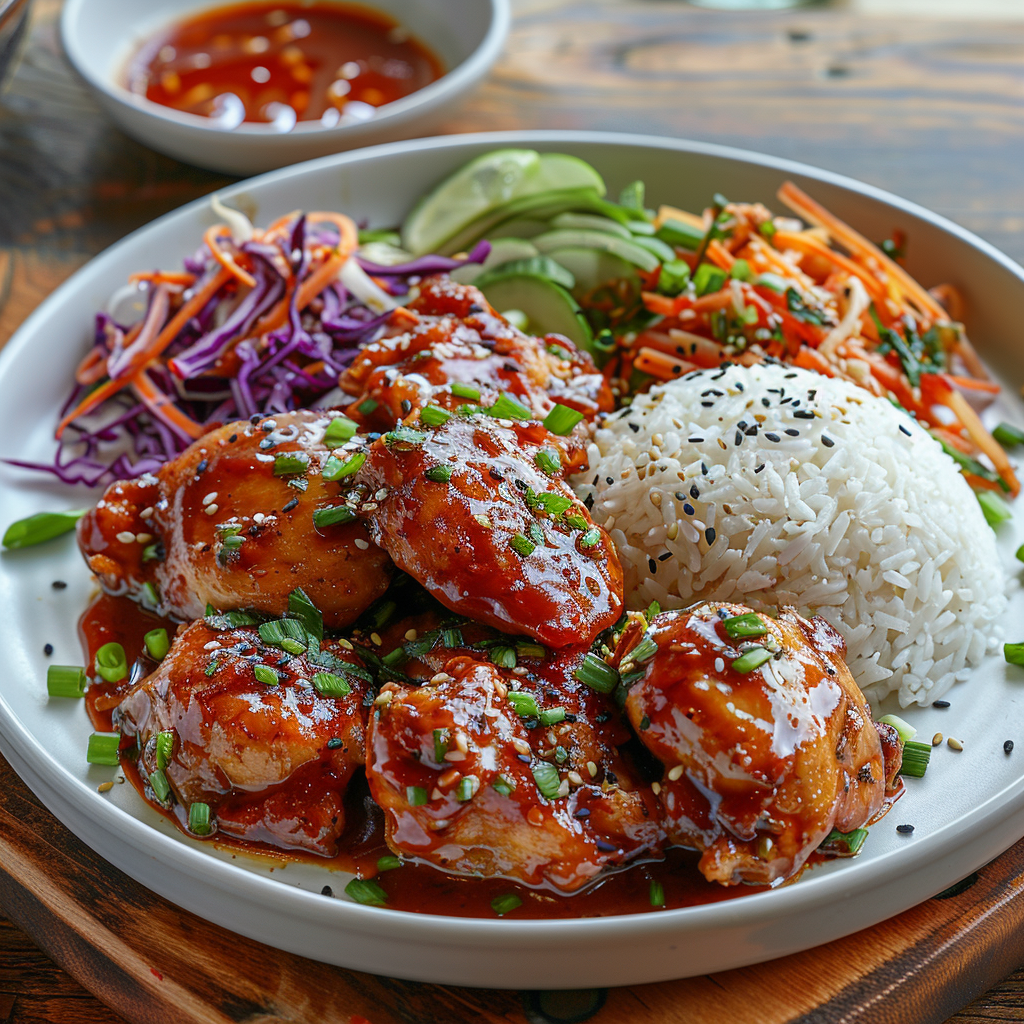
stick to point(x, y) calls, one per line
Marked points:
point(877, 532)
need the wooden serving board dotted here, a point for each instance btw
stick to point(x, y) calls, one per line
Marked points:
point(155, 964)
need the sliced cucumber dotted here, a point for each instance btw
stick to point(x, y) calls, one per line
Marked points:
point(581, 239)
point(384, 254)
point(590, 222)
point(665, 253)
point(549, 308)
point(519, 227)
point(535, 266)
point(592, 268)
point(486, 184)
point(503, 250)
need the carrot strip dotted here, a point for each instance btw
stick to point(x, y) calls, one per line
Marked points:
point(657, 364)
point(308, 291)
point(979, 483)
point(163, 277)
point(811, 359)
point(970, 384)
point(983, 439)
point(348, 233)
point(719, 255)
point(811, 245)
point(798, 201)
point(660, 304)
point(673, 213)
point(92, 368)
point(225, 259)
point(163, 406)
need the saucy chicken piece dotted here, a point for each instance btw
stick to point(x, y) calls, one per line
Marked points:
point(767, 741)
point(229, 523)
point(271, 754)
point(451, 764)
point(449, 333)
point(467, 511)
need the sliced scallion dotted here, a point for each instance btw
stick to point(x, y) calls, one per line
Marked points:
point(590, 538)
point(149, 595)
point(111, 662)
point(994, 509)
point(388, 863)
point(301, 607)
point(340, 430)
point(157, 643)
point(395, 659)
point(367, 406)
point(440, 474)
point(507, 408)
point(844, 844)
point(266, 675)
point(906, 731)
point(505, 904)
point(553, 504)
point(1008, 435)
point(529, 649)
point(440, 745)
point(1020, 553)
point(657, 894)
point(367, 892)
point(915, 758)
point(159, 784)
point(41, 527)
point(335, 468)
point(502, 786)
point(708, 278)
point(415, 795)
point(290, 462)
point(596, 673)
point(102, 749)
point(199, 819)
point(327, 684)
point(288, 634)
point(551, 716)
point(503, 656)
point(562, 419)
point(522, 545)
point(752, 659)
point(548, 461)
point(577, 522)
point(460, 390)
point(1014, 654)
point(451, 637)
point(524, 704)
point(739, 627)
point(547, 778)
point(467, 788)
point(404, 435)
point(644, 651)
point(333, 516)
point(65, 681)
point(434, 415)
point(164, 748)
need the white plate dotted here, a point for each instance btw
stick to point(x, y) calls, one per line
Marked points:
point(969, 808)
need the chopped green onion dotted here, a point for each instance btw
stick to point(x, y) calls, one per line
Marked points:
point(1014, 654)
point(290, 462)
point(741, 271)
point(440, 474)
point(211, 669)
point(741, 626)
point(386, 235)
point(415, 795)
point(103, 747)
point(288, 634)
point(906, 731)
point(228, 620)
point(327, 684)
point(548, 461)
point(502, 786)
point(653, 609)
point(844, 844)
point(503, 656)
point(1020, 553)
point(561, 754)
point(340, 430)
point(708, 278)
point(551, 716)
point(434, 415)
point(367, 892)
point(466, 789)
point(529, 649)
point(590, 538)
point(43, 526)
point(754, 658)
point(507, 408)
point(522, 545)
point(596, 673)
point(562, 419)
point(915, 759)
point(644, 651)
point(536, 532)
point(1008, 435)
point(553, 504)
point(994, 509)
point(577, 522)
point(164, 748)
point(657, 894)
point(673, 277)
point(382, 612)
point(301, 607)
point(151, 552)
point(548, 781)
point(333, 516)
point(503, 905)
point(395, 659)
point(388, 863)
point(404, 435)
point(772, 282)
point(366, 407)
point(451, 637)
point(632, 196)
point(149, 595)
point(524, 704)
point(65, 681)
point(440, 745)
point(970, 465)
point(266, 675)
point(199, 819)
point(460, 390)
point(111, 662)
point(679, 233)
point(335, 468)
point(159, 784)
point(157, 643)
point(767, 229)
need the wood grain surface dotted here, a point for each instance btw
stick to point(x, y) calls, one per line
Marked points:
point(932, 109)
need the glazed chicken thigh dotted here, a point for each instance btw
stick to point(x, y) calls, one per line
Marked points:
point(267, 739)
point(767, 741)
point(229, 523)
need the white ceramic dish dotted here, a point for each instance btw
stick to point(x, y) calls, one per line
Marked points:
point(969, 808)
point(100, 35)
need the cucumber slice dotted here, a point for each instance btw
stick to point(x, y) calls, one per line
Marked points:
point(591, 222)
point(581, 239)
point(665, 253)
point(549, 308)
point(486, 184)
point(519, 227)
point(593, 267)
point(384, 254)
point(535, 266)
point(503, 250)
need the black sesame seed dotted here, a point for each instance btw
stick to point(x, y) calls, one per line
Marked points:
point(268, 426)
point(786, 401)
point(680, 496)
point(793, 433)
point(255, 418)
point(695, 440)
point(605, 847)
point(766, 403)
point(290, 505)
point(940, 703)
point(609, 480)
point(582, 813)
point(707, 405)
point(811, 394)
point(635, 427)
point(596, 478)
point(267, 443)
point(664, 555)
point(652, 565)
point(602, 716)
point(1007, 746)
point(752, 431)
point(772, 437)
point(827, 441)
point(739, 386)
point(759, 468)
point(326, 891)
point(59, 585)
point(645, 724)
point(406, 406)
point(333, 743)
point(738, 439)
point(48, 650)
point(709, 535)
point(475, 307)
point(905, 830)
point(904, 430)
point(201, 468)
point(704, 468)
point(232, 439)
point(588, 501)
point(525, 758)
point(530, 723)
point(694, 492)
point(803, 414)
point(790, 376)
point(688, 508)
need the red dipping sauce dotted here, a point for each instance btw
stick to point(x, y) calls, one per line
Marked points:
point(280, 63)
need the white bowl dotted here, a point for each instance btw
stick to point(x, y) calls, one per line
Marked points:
point(99, 37)
point(968, 809)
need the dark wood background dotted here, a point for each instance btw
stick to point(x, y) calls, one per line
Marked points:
point(932, 109)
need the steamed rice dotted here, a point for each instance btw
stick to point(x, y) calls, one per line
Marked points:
point(724, 485)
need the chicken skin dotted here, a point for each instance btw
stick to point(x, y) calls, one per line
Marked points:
point(467, 510)
point(452, 766)
point(229, 523)
point(449, 333)
point(767, 741)
point(271, 755)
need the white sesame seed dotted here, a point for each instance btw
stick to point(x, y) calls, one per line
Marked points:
point(384, 698)
point(954, 744)
point(673, 531)
point(210, 498)
point(211, 510)
point(655, 788)
point(455, 755)
point(362, 544)
point(563, 789)
point(575, 778)
point(520, 745)
point(592, 768)
point(147, 513)
point(411, 634)
point(519, 670)
point(461, 742)
point(343, 643)
point(381, 494)
point(143, 538)
point(258, 517)
point(441, 677)
point(126, 537)
point(104, 787)
point(375, 639)
point(675, 773)
point(936, 739)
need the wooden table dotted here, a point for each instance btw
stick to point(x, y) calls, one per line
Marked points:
point(931, 109)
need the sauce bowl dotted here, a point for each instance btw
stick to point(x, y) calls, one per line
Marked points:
point(100, 36)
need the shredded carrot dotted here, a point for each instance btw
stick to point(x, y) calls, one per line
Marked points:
point(163, 406)
point(808, 243)
point(163, 277)
point(92, 368)
point(657, 364)
point(970, 384)
point(719, 255)
point(348, 233)
point(225, 259)
point(983, 439)
point(810, 359)
point(143, 338)
point(308, 291)
point(660, 304)
point(673, 213)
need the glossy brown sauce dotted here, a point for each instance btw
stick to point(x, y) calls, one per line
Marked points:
point(412, 887)
point(282, 62)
